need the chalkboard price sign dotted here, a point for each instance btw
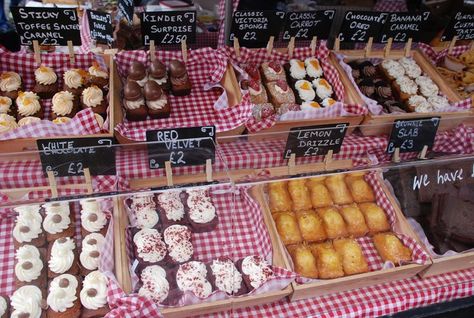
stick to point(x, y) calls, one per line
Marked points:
point(359, 26)
point(100, 25)
point(315, 140)
point(181, 146)
point(304, 25)
point(169, 27)
point(69, 156)
point(401, 26)
point(126, 9)
point(461, 25)
point(413, 134)
point(48, 26)
point(254, 28)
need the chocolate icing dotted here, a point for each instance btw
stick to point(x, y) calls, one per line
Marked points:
point(367, 87)
point(152, 91)
point(157, 69)
point(177, 68)
point(136, 71)
point(132, 91)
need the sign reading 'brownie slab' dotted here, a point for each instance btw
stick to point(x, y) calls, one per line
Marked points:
point(412, 135)
point(169, 27)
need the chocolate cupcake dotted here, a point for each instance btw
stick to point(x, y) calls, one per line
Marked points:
point(4, 307)
point(170, 208)
point(28, 104)
point(134, 102)
point(159, 285)
point(64, 104)
point(63, 297)
point(158, 73)
point(180, 83)
point(392, 106)
point(149, 247)
point(6, 106)
point(178, 241)
point(367, 87)
point(97, 76)
point(156, 101)
point(30, 267)
point(93, 295)
point(46, 82)
point(74, 81)
point(194, 277)
point(255, 271)
point(137, 73)
point(93, 98)
point(383, 91)
point(367, 69)
point(200, 210)
point(10, 84)
point(225, 276)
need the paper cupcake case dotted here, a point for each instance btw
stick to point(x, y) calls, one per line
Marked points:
point(7, 249)
point(240, 232)
point(207, 104)
point(83, 123)
point(351, 112)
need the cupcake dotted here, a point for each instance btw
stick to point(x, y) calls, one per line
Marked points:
point(137, 73)
point(93, 295)
point(304, 91)
point(62, 255)
point(424, 107)
point(97, 76)
point(7, 123)
point(412, 70)
point(272, 71)
point(156, 101)
point(10, 84)
point(90, 254)
point(149, 247)
point(63, 297)
point(93, 219)
point(224, 276)
point(6, 106)
point(27, 301)
point(159, 285)
point(157, 72)
point(28, 120)
point(61, 120)
point(367, 69)
point(58, 221)
point(29, 267)
point(134, 102)
point(313, 67)
point(193, 277)
point(392, 106)
point(405, 87)
point(427, 87)
point(27, 229)
point(74, 81)
point(383, 91)
point(414, 101)
point(178, 241)
point(144, 208)
point(46, 82)
point(170, 208)
point(328, 102)
point(200, 210)
point(180, 83)
point(323, 88)
point(367, 87)
point(255, 271)
point(296, 70)
point(391, 69)
point(93, 98)
point(64, 104)
point(310, 106)
point(438, 102)
point(29, 105)
point(4, 307)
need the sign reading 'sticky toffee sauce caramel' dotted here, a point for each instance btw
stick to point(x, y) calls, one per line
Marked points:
point(413, 134)
point(359, 26)
point(315, 140)
point(48, 26)
point(254, 28)
point(461, 25)
point(306, 24)
point(401, 26)
point(100, 25)
point(169, 27)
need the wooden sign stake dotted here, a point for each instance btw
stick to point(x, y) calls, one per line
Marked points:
point(396, 155)
point(408, 47)
point(37, 51)
point(169, 174)
point(87, 176)
point(423, 152)
point(291, 47)
point(209, 170)
point(292, 164)
point(452, 44)
point(70, 48)
point(328, 159)
point(388, 47)
point(52, 184)
point(236, 47)
point(368, 47)
point(337, 44)
point(270, 45)
point(313, 44)
point(152, 50)
point(184, 50)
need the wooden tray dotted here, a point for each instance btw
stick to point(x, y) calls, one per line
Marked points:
point(124, 279)
point(382, 124)
point(231, 87)
point(329, 286)
point(22, 144)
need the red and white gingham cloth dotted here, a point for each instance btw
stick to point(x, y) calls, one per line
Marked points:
point(203, 107)
point(437, 57)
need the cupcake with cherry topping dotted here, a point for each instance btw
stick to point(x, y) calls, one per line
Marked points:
point(74, 81)
point(10, 84)
point(201, 212)
point(134, 102)
point(137, 73)
point(28, 104)
point(93, 295)
point(98, 76)
point(157, 72)
point(156, 101)
point(64, 104)
point(93, 97)
point(194, 277)
point(46, 82)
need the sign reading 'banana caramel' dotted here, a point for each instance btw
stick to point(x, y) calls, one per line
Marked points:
point(169, 27)
point(48, 26)
point(306, 24)
point(401, 26)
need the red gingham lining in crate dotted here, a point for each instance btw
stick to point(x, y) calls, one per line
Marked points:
point(206, 67)
point(436, 57)
point(24, 64)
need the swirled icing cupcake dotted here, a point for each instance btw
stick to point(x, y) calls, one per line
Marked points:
point(202, 213)
point(94, 294)
point(305, 91)
point(93, 219)
point(62, 257)
point(6, 105)
point(10, 84)
point(323, 88)
point(313, 67)
point(7, 123)
point(98, 76)
point(297, 69)
point(29, 266)
point(28, 104)
point(149, 246)
point(46, 82)
point(427, 87)
point(63, 296)
point(155, 285)
point(74, 81)
point(170, 207)
point(4, 308)
point(57, 221)
point(192, 276)
point(64, 104)
point(61, 120)
point(178, 241)
point(91, 249)
point(28, 120)
point(27, 300)
point(27, 227)
point(93, 98)
point(144, 208)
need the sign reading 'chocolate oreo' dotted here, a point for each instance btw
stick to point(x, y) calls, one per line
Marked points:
point(100, 25)
point(315, 140)
point(169, 27)
point(254, 28)
point(461, 25)
point(359, 26)
point(126, 9)
point(304, 25)
point(401, 26)
point(69, 156)
point(181, 146)
point(48, 26)
point(413, 134)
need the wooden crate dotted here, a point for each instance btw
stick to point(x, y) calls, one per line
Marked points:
point(329, 286)
point(22, 144)
point(382, 124)
point(124, 279)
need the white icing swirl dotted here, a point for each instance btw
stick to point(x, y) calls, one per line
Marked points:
point(73, 78)
point(63, 103)
point(178, 239)
point(323, 88)
point(158, 104)
point(92, 217)
point(57, 217)
point(155, 286)
point(144, 208)
point(3, 306)
point(393, 68)
point(201, 209)
point(313, 67)
point(92, 96)
point(5, 104)
point(192, 277)
point(427, 87)
point(171, 203)
point(438, 102)
point(407, 85)
point(94, 291)
point(297, 69)
point(416, 100)
point(61, 120)
point(29, 264)
point(61, 298)
point(45, 75)
point(310, 106)
point(150, 246)
point(7, 123)
point(28, 120)
point(305, 90)
point(26, 300)
point(96, 71)
point(10, 81)
point(257, 270)
point(28, 224)
point(62, 255)
point(91, 250)
point(134, 104)
point(424, 107)
point(412, 69)
point(28, 103)
point(228, 278)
